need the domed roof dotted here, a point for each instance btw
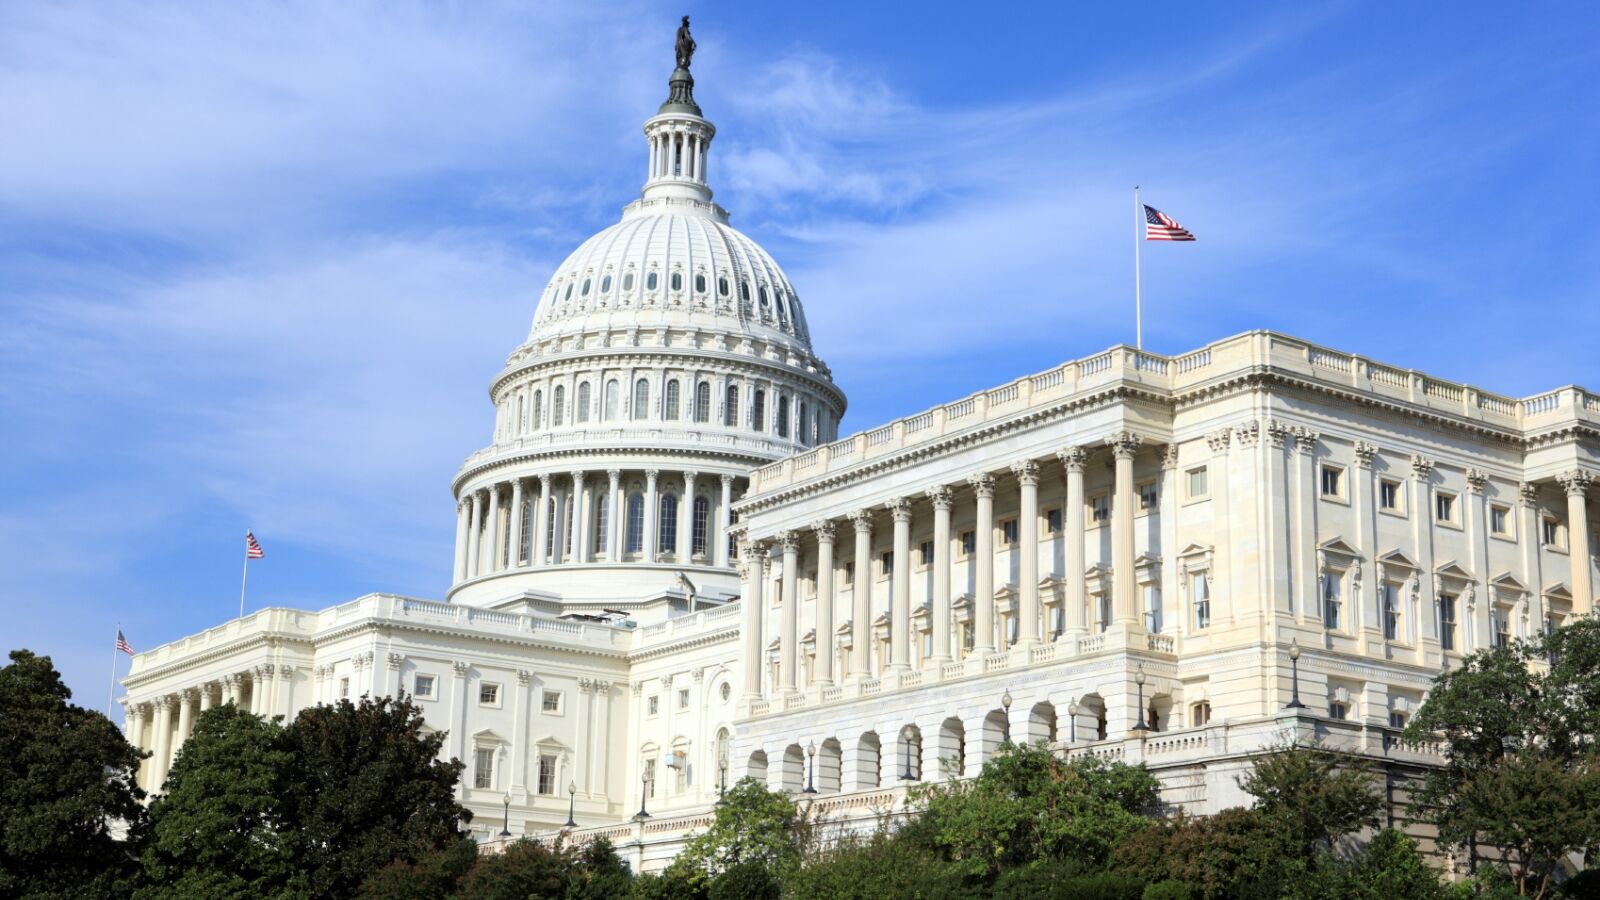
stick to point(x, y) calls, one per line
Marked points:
point(672, 263)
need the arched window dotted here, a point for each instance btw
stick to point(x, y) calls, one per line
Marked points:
point(722, 286)
point(670, 410)
point(702, 402)
point(758, 410)
point(581, 414)
point(627, 282)
point(529, 501)
point(560, 401)
point(641, 398)
point(801, 432)
point(522, 423)
point(605, 285)
point(699, 284)
point(667, 528)
point(783, 416)
point(611, 400)
point(783, 314)
point(635, 523)
point(677, 281)
point(765, 300)
point(650, 281)
point(697, 527)
point(585, 291)
point(730, 409)
point(602, 512)
point(568, 295)
point(538, 408)
point(744, 291)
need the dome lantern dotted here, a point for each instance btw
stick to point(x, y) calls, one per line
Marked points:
point(679, 136)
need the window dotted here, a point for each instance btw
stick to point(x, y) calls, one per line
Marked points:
point(783, 416)
point(698, 525)
point(1552, 533)
point(1148, 496)
point(538, 408)
point(1501, 620)
point(1200, 713)
point(667, 527)
point(635, 524)
point(650, 777)
point(730, 408)
point(1447, 622)
point(969, 543)
point(722, 286)
point(1397, 719)
point(702, 402)
point(677, 281)
point(1197, 483)
point(547, 774)
point(627, 282)
point(423, 686)
point(925, 551)
point(1200, 585)
point(683, 698)
point(1499, 520)
point(652, 705)
point(886, 564)
point(1338, 710)
point(1102, 611)
point(849, 573)
point(1008, 532)
point(670, 408)
point(758, 410)
point(1389, 598)
point(344, 688)
point(489, 694)
point(1052, 521)
point(1444, 507)
point(725, 691)
point(1331, 586)
point(605, 284)
point(581, 414)
point(650, 281)
point(558, 405)
point(1100, 509)
point(1332, 482)
point(1389, 496)
point(550, 702)
point(483, 768)
point(611, 400)
point(800, 426)
point(641, 399)
point(585, 291)
point(744, 291)
point(1152, 608)
point(602, 516)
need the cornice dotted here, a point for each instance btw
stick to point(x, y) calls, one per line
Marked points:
point(693, 642)
point(573, 359)
point(589, 452)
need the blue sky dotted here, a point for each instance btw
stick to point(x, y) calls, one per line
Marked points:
point(258, 261)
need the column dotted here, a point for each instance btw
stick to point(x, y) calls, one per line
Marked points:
point(1309, 604)
point(1476, 518)
point(230, 689)
point(1364, 503)
point(1073, 460)
point(285, 699)
point(1223, 589)
point(983, 589)
point(520, 729)
point(750, 596)
point(205, 697)
point(789, 624)
point(135, 725)
point(1528, 531)
point(1124, 582)
point(861, 598)
point(462, 511)
point(725, 521)
point(492, 530)
point(823, 672)
point(580, 518)
point(942, 501)
point(514, 554)
point(650, 522)
point(602, 690)
point(541, 522)
point(474, 536)
point(614, 514)
point(1576, 484)
point(1027, 473)
point(686, 517)
point(900, 591)
point(558, 536)
point(161, 747)
point(1424, 607)
point(188, 701)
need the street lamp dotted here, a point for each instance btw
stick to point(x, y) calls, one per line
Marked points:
point(1294, 663)
point(811, 773)
point(1072, 722)
point(1138, 678)
point(505, 826)
point(645, 778)
point(572, 804)
point(722, 775)
point(1005, 704)
point(905, 735)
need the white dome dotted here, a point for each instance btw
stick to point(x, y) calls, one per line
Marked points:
point(672, 262)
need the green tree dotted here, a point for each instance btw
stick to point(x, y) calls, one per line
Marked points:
point(527, 869)
point(886, 863)
point(1311, 797)
point(753, 825)
point(66, 775)
point(436, 876)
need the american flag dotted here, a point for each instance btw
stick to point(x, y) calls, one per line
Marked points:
point(252, 547)
point(1158, 226)
point(122, 643)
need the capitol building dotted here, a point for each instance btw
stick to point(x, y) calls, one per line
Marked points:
point(671, 572)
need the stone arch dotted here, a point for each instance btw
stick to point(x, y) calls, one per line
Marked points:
point(1041, 724)
point(756, 766)
point(868, 763)
point(830, 758)
point(792, 770)
point(952, 744)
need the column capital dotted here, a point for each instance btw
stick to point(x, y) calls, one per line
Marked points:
point(524, 677)
point(161, 702)
point(1027, 471)
point(862, 519)
point(727, 481)
point(189, 694)
point(460, 667)
point(1528, 493)
point(1278, 432)
point(394, 661)
point(1305, 440)
point(1124, 444)
point(1476, 480)
point(1169, 456)
point(690, 475)
point(1219, 440)
point(1073, 459)
point(614, 475)
point(983, 485)
point(790, 541)
point(743, 568)
point(1247, 434)
point(544, 482)
point(650, 476)
point(1575, 482)
point(1365, 454)
point(825, 531)
point(1421, 467)
point(577, 478)
point(899, 508)
point(942, 497)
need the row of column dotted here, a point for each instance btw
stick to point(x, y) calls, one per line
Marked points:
point(678, 154)
point(163, 723)
point(489, 537)
point(756, 561)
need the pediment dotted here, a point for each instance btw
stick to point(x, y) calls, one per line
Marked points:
point(1452, 569)
point(1339, 546)
point(1194, 550)
point(1398, 560)
point(1558, 591)
point(1508, 582)
point(487, 736)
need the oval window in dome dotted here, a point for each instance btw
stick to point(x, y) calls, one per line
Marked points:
point(744, 291)
point(722, 286)
point(585, 291)
point(677, 281)
point(569, 293)
point(650, 282)
point(765, 300)
point(627, 282)
point(605, 285)
point(699, 284)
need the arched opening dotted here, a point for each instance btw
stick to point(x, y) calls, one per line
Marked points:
point(953, 748)
point(1091, 718)
point(641, 399)
point(558, 405)
point(612, 399)
point(702, 402)
point(758, 410)
point(783, 416)
point(581, 414)
point(538, 409)
point(1158, 713)
point(793, 776)
point(756, 766)
point(995, 730)
point(800, 432)
point(868, 769)
point(670, 405)
point(601, 519)
point(667, 526)
point(635, 523)
point(908, 765)
point(830, 757)
point(698, 526)
point(1041, 723)
point(730, 409)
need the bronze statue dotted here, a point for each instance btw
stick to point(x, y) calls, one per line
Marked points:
point(685, 46)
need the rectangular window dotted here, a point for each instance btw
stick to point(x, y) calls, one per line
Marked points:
point(1447, 622)
point(1052, 521)
point(547, 774)
point(1100, 509)
point(1103, 611)
point(652, 705)
point(550, 702)
point(1553, 533)
point(969, 543)
point(1502, 628)
point(1148, 496)
point(1444, 507)
point(344, 688)
point(1330, 601)
point(1389, 594)
point(1389, 496)
point(1200, 584)
point(1008, 533)
point(1397, 719)
point(926, 549)
point(1197, 483)
point(1499, 520)
point(1152, 608)
point(886, 564)
point(1337, 710)
point(1200, 713)
point(1332, 481)
point(489, 694)
point(423, 686)
point(849, 573)
point(483, 769)
point(683, 698)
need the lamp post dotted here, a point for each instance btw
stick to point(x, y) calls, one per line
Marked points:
point(811, 773)
point(1072, 722)
point(722, 776)
point(572, 803)
point(1005, 706)
point(644, 794)
point(1294, 663)
point(505, 825)
point(905, 736)
point(1138, 678)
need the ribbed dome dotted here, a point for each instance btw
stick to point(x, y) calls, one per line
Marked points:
point(672, 262)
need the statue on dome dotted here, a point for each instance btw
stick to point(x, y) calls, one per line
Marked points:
point(685, 45)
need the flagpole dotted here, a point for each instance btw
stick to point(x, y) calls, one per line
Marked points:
point(243, 581)
point(1138, 293)
point(111, 696)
